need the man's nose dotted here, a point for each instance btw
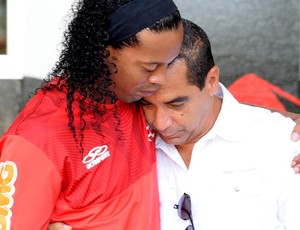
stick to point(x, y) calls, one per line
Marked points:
point(158, 76)
point(162, 120)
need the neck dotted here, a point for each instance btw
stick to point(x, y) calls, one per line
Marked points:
point(186, 150)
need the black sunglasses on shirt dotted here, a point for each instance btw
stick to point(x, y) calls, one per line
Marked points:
point(184, 210)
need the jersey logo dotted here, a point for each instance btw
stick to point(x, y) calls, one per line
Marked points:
point(96, 156)
point(8, 176)
point(151, 134)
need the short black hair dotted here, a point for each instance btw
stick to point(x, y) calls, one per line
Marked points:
point(196, 51)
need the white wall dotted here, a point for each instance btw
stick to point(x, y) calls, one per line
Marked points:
point(12, 64)
point(34, 32)
point(44, 32)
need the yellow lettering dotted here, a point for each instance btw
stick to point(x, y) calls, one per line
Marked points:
point(8, 176)
point(3, 224)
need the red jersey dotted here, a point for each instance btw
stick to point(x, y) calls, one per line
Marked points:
point(44, 176)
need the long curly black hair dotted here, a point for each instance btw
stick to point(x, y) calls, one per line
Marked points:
point(81, 67)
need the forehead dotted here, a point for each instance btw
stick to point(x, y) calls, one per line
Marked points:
point(176, 84)
point(176, 75)
point(156, 47)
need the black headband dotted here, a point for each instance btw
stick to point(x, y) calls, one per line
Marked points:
point(136, 15)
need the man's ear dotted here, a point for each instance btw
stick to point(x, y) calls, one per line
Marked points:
point(112, 53)
point(112, 60)
point(212, 80)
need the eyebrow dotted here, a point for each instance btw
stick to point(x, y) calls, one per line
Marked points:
point(159, 63)
point(175, 59)
point(177, 99)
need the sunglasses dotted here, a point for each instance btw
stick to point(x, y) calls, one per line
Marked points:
point(184, 210)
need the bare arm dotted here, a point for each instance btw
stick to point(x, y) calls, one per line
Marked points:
point(59, 226)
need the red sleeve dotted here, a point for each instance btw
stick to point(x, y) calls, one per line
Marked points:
point(29, 185)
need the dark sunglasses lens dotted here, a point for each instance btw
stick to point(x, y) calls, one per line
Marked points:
point(190, 227)
point(184, 207)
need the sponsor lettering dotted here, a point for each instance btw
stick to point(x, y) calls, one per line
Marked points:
point(8, 176)
point(151, 134)
point(95, 156)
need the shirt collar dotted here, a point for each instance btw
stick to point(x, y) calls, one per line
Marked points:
point(231, 112)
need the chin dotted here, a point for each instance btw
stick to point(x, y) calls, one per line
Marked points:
point(171, 141)
point(133, 99)
point(129, 99)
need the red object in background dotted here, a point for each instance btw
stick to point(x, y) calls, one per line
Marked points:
point(254, 90)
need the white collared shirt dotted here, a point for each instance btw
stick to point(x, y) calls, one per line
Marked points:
point(239, 177)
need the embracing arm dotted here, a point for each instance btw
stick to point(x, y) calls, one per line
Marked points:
point(59, 226)
point(295, 117)
point(295, 135)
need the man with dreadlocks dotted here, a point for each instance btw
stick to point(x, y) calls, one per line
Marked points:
point(79, 151)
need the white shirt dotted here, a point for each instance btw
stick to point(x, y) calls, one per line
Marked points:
point(239, 177)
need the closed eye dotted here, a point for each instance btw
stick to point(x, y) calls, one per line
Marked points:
point(178, 102)
point(176, 106)
point(144, 103)
point(149, 70)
